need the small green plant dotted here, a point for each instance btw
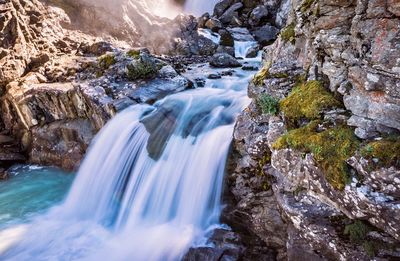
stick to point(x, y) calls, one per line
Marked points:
point(357, 231)
point(106, 61)
point(288, 33)
point(268, 104)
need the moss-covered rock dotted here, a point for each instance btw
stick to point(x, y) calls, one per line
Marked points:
point(387, 151)
point(144, 68)
point(268, 104)
point(307, 101)
point(330, 148)
point(288, 33)
point(107, 60)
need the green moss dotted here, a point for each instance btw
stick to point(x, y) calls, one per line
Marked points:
point(357, 231)
point(288, 33)
point(259, 78)
point(106, 61)
point(387, 151)
point(306, 4)
point(141, 70)
point(307, 100)
point(268, 104)
point(135, 54)
point(330, 148)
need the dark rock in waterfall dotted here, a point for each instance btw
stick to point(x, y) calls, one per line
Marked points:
point(224, 60)
point(161, 125)
point(253, 52)
point(226, 38)
point(214, 76)
point(226, 49)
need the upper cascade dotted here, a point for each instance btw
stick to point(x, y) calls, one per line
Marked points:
point(199, 7)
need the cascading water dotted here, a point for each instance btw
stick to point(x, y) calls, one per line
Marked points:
point(151, 183)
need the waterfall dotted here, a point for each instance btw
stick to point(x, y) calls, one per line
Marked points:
point(150, 185)
point(199, 7)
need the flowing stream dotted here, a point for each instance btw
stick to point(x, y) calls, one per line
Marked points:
point(151, 183)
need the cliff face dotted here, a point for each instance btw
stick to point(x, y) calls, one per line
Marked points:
point(315, 168)
point(60, 86)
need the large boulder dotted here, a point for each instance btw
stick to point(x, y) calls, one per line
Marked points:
point(224, 60)
point(266, 35)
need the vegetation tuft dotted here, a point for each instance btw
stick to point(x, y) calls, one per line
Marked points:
point(106, 61)
point(288, 33)
point(268, 104)
point(141, 70)
point(330, 148)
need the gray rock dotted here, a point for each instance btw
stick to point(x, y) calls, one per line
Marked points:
point(224, 60)
point(226, 49)
point(265, 35)
point(221, 7)
point(213, 24)
point(258, 13)
point(230, 15)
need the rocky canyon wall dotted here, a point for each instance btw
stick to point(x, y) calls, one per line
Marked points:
point(315, 168)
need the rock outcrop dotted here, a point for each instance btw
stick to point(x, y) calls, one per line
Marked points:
point(60, 86)
point(316, 177)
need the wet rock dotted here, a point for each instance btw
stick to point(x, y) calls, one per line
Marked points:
point(226, 38)
point(214, 76)
point(223, 60)
point(161, 124)
point(61, 143)
point(253, 52)
point(226, 49)
point(3, 174)
point(266, 35)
